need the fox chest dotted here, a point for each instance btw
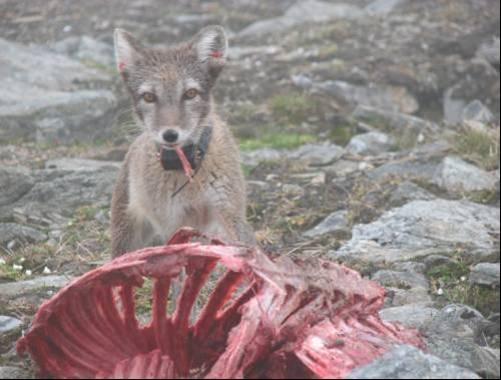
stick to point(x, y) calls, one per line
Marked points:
point(167, 212)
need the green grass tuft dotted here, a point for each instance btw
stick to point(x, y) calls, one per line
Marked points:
point(452, 278)
point(277, 140)
point(479, 147)
point(292, 108)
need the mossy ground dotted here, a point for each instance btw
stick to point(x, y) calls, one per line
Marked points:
point(481, 147)
point(277, 140)
point(452, 279)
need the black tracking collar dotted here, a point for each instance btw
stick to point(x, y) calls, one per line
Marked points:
point(195, 153)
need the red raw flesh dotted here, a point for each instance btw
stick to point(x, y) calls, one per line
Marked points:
point(188, 170)
point(292, 319)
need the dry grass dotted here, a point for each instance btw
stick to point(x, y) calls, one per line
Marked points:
point(479, 145)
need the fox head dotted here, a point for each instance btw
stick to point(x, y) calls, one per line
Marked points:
point(171, 87)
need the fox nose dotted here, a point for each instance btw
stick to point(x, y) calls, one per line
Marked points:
point(170, 136)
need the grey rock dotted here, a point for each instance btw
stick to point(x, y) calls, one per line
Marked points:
point(71, 117)
point(383, 7)
point(434, 260)
point(317, 154)
point(407, 362)
point(66, 46)
point(410, 266)
point(34, 114)
point(303, 12)
point(256, 186)
point(370, 144)
point(14, 183)
point(80, 165)
point(293, 190)
point(453, 107)
point(15, 289)
point(477, 111)
point(408, 191)
point(456, 175)
point(57, 192)
point(452, 336)
point(403, 280)
point(103, 217)
point(63, 195)
point(47, 97)
point(335, 223)
point(8, 324)
point(22, 234)
point(414, 315)
point(485, 274)
point(86, 49)
point(479, 81)
point(255, 157)
point(401, 297)
point(393, 99)
point(95, 51)
point(423, 228)
point(302, 81)
point(42, 68)
point(238, 52)
point(490, 51)
point(343, 168)
point(313, 178)
point(14, 373)
point(397, 121)
point(197, 19)
point(411, 169)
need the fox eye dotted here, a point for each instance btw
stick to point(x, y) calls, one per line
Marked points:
point(191, 93)
point(149, 97)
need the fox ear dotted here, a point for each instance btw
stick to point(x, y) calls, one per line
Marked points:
point(127, 50)
point(211, 46)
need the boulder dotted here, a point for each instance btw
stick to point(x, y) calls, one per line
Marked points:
point(386, 98)
point(423, 228)
point(383, 7)
point(452, 335)
point(317, 154)
point(407, 362)
point(49, 97)
point(478, 112)
point(16, 289)
point(456, 175)
point(486, 274)
point(335, 223)
point(22, 234)
point(9, 324)
point(414, 315)
point(60, 189)
point(370, 144)
point(300, 13)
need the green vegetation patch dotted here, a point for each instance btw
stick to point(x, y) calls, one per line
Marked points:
point(277, 140)
point(342, 134)
point(292, 108)
point(449, 273)
point(480, 147)
point(452, 278)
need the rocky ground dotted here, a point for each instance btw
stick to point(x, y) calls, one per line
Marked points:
point(369, 131)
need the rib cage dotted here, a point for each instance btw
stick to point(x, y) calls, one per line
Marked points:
point(293, 319)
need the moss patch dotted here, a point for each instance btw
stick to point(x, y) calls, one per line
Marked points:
point(483, 197)
point(292, 108)
point(479, 147)
point(342, 134)
point(448, 273)
point(277, 140)
point(452, 278)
